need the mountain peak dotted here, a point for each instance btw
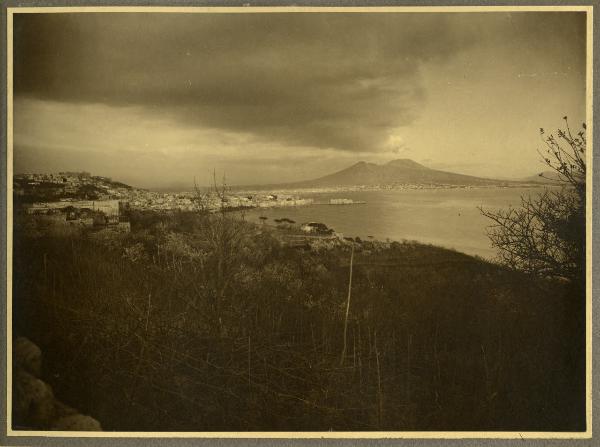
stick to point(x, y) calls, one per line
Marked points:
point(399, 171)
point(405, 163)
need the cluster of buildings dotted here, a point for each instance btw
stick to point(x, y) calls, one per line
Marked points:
point(45, 188)
point(188, 201)
point(345, 202)
point(79, 199)
point(280, 200)
point(150, 200)
point(66, 178)
point(107, 207)
point(68, 184)
point(96, 214)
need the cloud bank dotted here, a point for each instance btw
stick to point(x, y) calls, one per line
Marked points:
point(333, 81)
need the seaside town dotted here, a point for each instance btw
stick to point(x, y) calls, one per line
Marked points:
point(70, 186)
point(56, 200)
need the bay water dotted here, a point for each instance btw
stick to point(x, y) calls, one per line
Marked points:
point(444, 217)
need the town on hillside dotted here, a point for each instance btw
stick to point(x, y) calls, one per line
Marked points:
point(54, 201)
point(72, 186)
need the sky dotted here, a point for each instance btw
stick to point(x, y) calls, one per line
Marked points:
point(158, 100)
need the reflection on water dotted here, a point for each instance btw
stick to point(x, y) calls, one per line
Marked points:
point(444, 217)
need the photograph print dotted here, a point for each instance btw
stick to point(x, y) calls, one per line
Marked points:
point(347, 220)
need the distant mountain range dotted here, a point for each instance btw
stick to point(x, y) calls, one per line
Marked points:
point(396, 172)
point(401, 171)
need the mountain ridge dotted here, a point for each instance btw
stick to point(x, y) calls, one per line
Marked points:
point(394, 172)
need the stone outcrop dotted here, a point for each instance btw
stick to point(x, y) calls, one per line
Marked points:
point(34, 406)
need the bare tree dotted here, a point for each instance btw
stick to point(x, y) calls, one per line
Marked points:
point(223, 233)
point(546, 234)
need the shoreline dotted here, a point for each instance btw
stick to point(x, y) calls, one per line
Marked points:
point(403, 187)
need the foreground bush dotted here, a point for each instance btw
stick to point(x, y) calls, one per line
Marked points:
point(141, 334)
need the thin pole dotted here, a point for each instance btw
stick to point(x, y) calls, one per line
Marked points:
point(347, 309)
point(249, 362)
point(379, 396)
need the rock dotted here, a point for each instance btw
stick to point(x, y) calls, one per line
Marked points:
point(27, 356)
point(61, 410)
point(77, 422)
point(33, 401)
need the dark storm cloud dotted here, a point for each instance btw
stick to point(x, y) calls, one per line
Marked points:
point(326, 80)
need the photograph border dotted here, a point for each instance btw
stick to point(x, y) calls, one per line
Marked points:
point(22, 437)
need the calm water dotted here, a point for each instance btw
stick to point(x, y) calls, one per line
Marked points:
point(447, 218)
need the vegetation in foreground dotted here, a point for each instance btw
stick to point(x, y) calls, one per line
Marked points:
point(204, 322)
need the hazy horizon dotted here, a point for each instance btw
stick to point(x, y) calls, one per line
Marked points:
point(222, 176)
point(156, 100)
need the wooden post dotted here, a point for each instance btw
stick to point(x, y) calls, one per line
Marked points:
point(409, 342)
point(249, 362)
point(379, 395)
point(347, 309)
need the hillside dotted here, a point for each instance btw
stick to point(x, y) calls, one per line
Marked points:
point(29, 188)
point(437, 340)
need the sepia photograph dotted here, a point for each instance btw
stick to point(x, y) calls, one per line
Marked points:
point(299, 221)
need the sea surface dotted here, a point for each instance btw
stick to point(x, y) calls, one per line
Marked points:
point(444, 217)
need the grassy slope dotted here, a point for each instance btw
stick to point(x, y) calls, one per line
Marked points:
point(437, 340)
